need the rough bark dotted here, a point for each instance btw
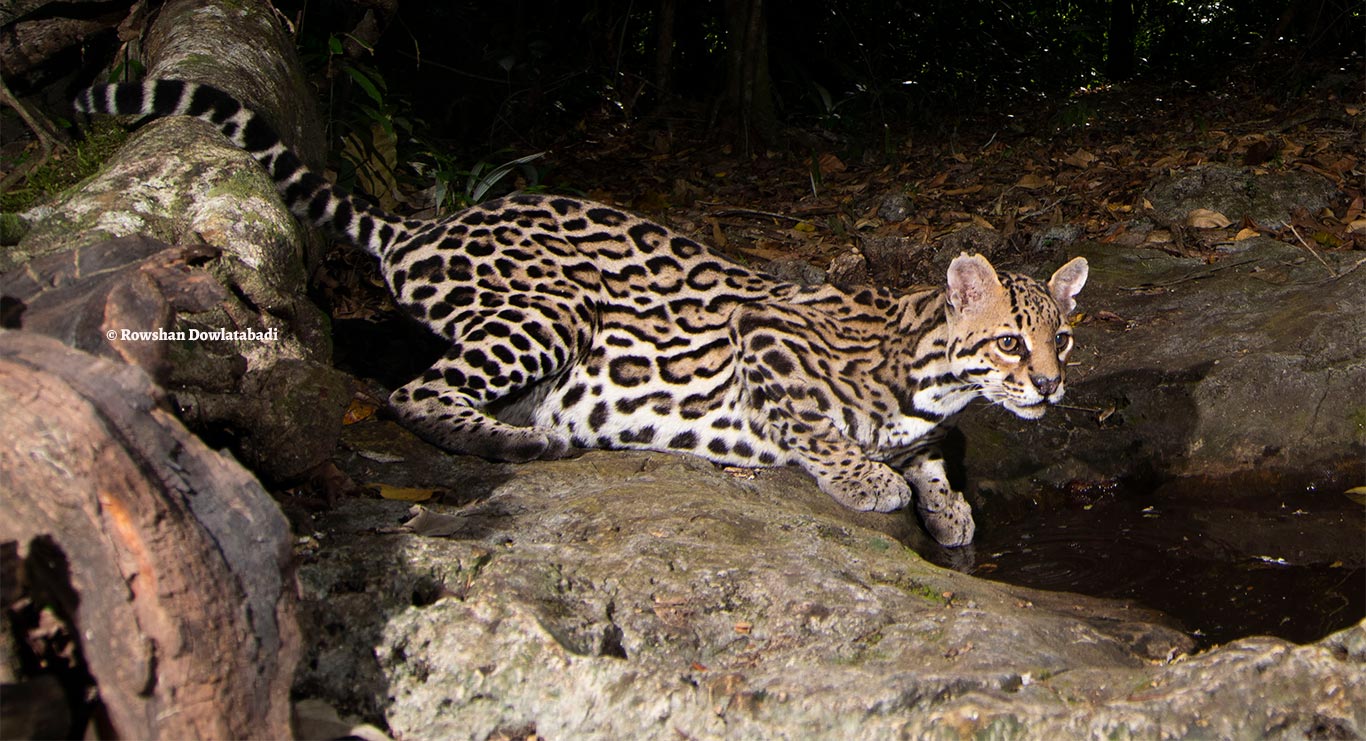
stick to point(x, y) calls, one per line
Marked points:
point(12, 10)
point(180, 182)
point(172, 560)
point(747, 107)
point(664, 47)
point(28, 44)
point(101, 297)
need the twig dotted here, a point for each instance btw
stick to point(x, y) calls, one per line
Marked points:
point(1042, 211)
point(1355, 265)
point(1316, 255)
point(1187, 278)
point(756, 212)
point(43, 131)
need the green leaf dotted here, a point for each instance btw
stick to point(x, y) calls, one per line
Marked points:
point(1357, 494)
point(477, 190)
point(365, 84)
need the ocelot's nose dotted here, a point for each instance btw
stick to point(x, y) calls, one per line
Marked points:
point(1046, 384)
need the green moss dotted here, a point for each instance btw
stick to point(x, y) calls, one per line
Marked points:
point(927, 592)
point(1357, 419)
point(1002, 727)
point(66, 168)
point(12, 228)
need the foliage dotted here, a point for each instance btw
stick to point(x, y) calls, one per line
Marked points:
point(479, 182)
point(521, 73)
point(78, 161)
point(383, 150)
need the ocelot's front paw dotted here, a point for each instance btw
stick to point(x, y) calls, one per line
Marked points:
point(948, 519)
point(878, 489)
point(522, 444)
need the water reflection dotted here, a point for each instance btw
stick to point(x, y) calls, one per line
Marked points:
point(1293, 569)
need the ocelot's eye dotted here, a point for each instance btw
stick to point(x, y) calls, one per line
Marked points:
point(1063, 341)
point(1009, 344)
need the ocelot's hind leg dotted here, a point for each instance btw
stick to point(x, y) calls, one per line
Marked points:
point(946, 514)
point(494, 358)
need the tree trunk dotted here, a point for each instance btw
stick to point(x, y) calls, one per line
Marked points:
point(168, 562)
point(144, 557)
point(664, 48)
point(1121, 39)
point(747, 107)
point(180, 182)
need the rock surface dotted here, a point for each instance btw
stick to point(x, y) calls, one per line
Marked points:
point(643, 595)
point(1250, 368)
point(1238, 193)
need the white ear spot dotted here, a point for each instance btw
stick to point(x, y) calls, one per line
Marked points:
point(971, 279)
point(1066, 283)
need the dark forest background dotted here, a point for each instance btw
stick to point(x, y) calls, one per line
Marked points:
point(523, 72)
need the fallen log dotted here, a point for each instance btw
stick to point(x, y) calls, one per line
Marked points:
point(167, 559)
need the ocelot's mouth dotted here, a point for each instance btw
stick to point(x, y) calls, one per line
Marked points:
point(1026, 411)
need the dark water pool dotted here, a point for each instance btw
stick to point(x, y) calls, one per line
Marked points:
point(1292, 567)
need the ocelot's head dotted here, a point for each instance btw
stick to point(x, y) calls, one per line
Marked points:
point(1008, 333)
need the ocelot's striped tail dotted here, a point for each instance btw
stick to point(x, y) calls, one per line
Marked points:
point(306, 193)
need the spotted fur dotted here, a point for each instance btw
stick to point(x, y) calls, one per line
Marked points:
point(573, 324)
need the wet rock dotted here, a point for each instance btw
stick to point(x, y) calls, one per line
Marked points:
point(795, 270)
point(848, 270)
point(644, 595)
point(972, 238)
point(897, 261)
point(894, 207)
point(1250, 367)
point(286, 415)
point(1050, 243)
point(1266, 198)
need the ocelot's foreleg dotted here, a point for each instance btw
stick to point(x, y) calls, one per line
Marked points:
point(491, 358)
point(796, 409)
point(946, 514)
point(846, 473)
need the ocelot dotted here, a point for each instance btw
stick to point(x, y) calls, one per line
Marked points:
point(573, 324)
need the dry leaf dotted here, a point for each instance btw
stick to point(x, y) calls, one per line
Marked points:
point(830, 164)
point(1355, 209)
point(429, 524)
point(404, 493)
point(1033, 181)
point(1357, 494)
point(315, 718)
point(379, 457)
point(1080, 158)
point(358, 411)
point(1245, 233)
point(1158, 236)
point(1203, 218)
point(718, 235)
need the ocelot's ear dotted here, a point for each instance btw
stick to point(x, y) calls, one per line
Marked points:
point(1066, 283)
point(971, 281)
